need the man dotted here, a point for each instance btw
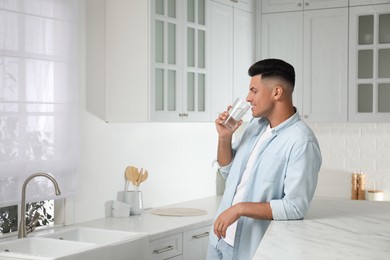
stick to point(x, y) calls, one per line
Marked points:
point(272, 172)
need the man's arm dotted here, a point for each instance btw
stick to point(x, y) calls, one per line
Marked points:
point(257, 210)
point(225, 136)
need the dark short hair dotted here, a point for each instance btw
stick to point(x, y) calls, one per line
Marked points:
point(273, 68)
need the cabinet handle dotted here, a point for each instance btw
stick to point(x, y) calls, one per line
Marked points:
point(235, 1)
point(306, 4)
point(162, 250)
point(185, 114)
point(305, 116)
point(205, 234)
point(299, 4)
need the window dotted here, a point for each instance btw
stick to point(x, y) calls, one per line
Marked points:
point(38, 100)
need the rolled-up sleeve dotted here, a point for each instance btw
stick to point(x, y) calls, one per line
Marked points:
point(300, 181)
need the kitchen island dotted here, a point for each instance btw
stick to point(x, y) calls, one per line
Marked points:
point(333, 228)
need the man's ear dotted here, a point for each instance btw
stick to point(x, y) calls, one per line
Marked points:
point(278, 92)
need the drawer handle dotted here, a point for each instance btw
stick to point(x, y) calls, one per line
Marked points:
point(205, 234)
point(162, 250)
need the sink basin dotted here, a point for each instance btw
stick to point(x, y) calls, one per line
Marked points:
point(92, 235)
point(40, 248)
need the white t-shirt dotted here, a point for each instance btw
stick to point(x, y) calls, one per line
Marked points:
point(231, 231)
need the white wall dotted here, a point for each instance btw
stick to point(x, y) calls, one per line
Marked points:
point(349, 147)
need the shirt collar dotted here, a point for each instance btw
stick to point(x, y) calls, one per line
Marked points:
point(263, 122)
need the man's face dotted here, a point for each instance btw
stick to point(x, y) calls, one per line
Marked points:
point(261, 96)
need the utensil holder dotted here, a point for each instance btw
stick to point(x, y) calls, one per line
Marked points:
point(134, 198)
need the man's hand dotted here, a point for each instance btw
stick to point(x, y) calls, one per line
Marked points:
point(221, 129)
point(256, 210)
point(224, 220)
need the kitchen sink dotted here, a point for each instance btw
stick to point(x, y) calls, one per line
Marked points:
point(92, 235)
point(77, 243)
point(40, 248)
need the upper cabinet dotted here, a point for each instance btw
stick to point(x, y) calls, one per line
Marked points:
point(274, 6)
point(117, 41)
point(179, 77)
point(246, 5)
point(369, 73)
point(232, 52)
point(315, 42)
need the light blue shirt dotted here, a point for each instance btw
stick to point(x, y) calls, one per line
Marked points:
point(285, 174)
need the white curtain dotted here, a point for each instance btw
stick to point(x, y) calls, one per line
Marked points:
point(39, 129)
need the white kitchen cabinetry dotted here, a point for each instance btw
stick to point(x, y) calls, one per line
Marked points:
point(179, 65)
point(232, 53)
point(367, 2)
point(167, 247)
point(191, 244)
point(195, 243)
point(275, 6)
point(247, 5)
point(369, 73)
point(315, 42)
point(116, 59)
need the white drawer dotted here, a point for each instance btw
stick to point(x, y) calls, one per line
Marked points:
point(166, 247)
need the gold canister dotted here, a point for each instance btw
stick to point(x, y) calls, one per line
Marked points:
point(361, 180)
point(354, 189)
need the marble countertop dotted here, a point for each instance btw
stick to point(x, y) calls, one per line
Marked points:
point(156, 226)
point(332, 229)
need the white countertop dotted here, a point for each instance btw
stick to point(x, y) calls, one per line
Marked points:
point(332, 229)
point(156, 226)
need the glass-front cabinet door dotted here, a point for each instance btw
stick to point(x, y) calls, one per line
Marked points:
point(178, 82)
point(370, 63)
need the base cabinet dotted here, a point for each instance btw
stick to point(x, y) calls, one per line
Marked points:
point(195, 243)
point(191, 244)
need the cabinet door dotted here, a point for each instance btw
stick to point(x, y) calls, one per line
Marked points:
point(246, 5)
point(166, 248)
point(369, 73)
point(243, 52)
point(196, 92)
point(166, 53)
point(232, 52)
point(318, 4)
point(221, 57)
point(272, 6)
point(325, 65)
point(195, 243)
point(282, 38)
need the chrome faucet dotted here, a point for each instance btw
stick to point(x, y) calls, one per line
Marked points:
point(22, 226)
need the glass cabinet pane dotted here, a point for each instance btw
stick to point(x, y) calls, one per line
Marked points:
point(365, 98)
point(160, 7)
point(384, 28)
point(191, 11)
point(172, 8)
point(159, 41)
point(201, 92)
point(383, 98)
point(190, 91)
point(191, 47)
point(201, 49)
point(366, 29)
point(384, 63)
point(171, 90)
point(171, 43)
point(201, 12)
point(365, 64)
point(159, 90)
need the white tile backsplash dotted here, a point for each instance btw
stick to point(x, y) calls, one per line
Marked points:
point(349, 147)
